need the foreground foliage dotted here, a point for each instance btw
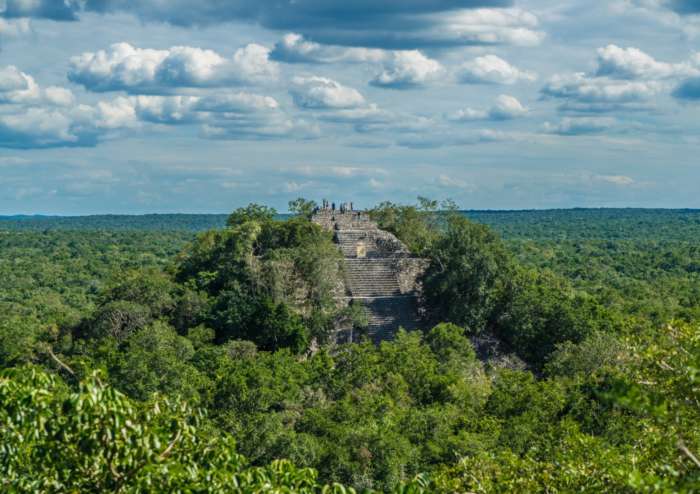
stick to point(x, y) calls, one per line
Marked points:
point(95, 440)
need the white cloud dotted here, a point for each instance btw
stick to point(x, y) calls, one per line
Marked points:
point(186, 66)
point(137, 70)
point(632, 63)
point(40, 118)
point(406, 69)
point(293, 48)
point(488, 26)
point(59, 96)
point(626, 79)
point(165, 109)
point(323, 93)
point(236, 103)
point(115, 114)
point(252, 64)
point(39, 128)
point(400, 68)
point(584, 89)
point(222, 116)
point(16, 87)
point(505, 108)
point(491, 69)
point(235, 116)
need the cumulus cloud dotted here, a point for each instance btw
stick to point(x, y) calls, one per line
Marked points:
point(36, 117)
point(188, 109)
point(42, 128)
point(625, 79)
point(506, 108)
point(579, 126)
point(398, 25)
point(58, 96)
point(400, 68)
point(234, 116)
point(236, 103)
point(137, 70)
point(633, 63)
point(322, 93)
point(17, 87)
point(237, 116)
point(600, 94)
point(35, 127)
point(599, 90)
point(407, 69)
point(294, 48)
point(491, 69)
point(488, 27)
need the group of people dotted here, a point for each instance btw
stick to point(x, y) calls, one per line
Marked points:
point(344, 207)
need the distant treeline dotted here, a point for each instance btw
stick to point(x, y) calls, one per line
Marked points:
point(571, 224)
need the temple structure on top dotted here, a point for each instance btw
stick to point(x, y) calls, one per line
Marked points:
point(380, 272)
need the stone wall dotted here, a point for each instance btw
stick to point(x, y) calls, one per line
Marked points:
point(334, 219)
point(408, 273)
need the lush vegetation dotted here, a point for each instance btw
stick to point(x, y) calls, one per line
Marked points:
point(139, 357)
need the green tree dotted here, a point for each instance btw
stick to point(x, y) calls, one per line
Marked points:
point(302, 207)
point(252, 212)
point(156, 359)
point(468, 271)
point(541, 311)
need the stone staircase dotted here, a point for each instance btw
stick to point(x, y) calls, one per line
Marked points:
point(387, 315)
point(375, 273)
point(371, 278)
point(348, 240)
point(373, 282)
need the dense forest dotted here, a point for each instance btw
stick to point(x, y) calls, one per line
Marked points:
point(194, 353)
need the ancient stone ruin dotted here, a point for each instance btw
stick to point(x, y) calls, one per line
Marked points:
point(380, 272)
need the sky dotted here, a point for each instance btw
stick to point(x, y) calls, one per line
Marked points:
point(142, 106)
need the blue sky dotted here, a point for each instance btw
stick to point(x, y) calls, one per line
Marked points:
point(133, 106)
